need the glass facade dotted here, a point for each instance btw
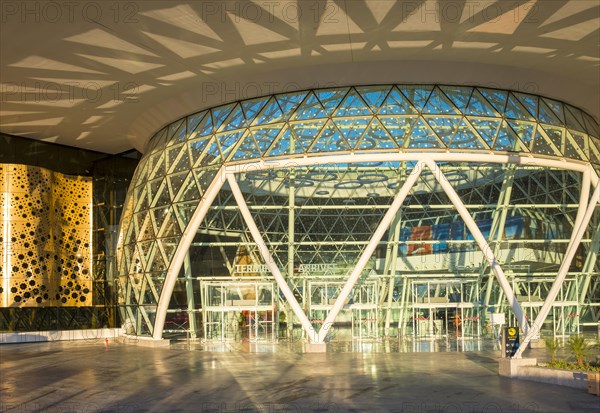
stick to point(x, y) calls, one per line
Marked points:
point(436, 202)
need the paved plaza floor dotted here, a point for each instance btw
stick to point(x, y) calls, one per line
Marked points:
point(88, 377)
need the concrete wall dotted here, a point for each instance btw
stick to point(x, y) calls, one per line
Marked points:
point(59, 335)
point(527, 369)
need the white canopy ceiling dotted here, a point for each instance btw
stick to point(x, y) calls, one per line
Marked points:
point(106, 75)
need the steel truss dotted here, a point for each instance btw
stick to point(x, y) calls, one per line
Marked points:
point(290, 285)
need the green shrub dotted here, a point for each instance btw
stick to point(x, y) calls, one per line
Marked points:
point(566, 365)
point(579, 348)
point(552, 345)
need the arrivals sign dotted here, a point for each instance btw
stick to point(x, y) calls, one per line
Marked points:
point(316, 268)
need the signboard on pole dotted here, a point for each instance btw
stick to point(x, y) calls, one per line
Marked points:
point(510, 342)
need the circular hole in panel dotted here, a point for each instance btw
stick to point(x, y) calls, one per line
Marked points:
point(260, 175)
point(318, 176)
point(348, 185)
point(299, 183)
point(372, 178)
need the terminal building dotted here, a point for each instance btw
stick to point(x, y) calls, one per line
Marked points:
point(354, 171)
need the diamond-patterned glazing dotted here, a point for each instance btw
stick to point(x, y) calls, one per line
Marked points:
point(181, 160)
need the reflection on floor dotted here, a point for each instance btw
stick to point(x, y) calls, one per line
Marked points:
point(388, 345)
point(89, 377)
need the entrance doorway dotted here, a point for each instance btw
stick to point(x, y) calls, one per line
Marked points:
point(445, 308)
point(236, 310)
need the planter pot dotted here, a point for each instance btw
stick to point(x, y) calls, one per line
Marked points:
point(594, 383)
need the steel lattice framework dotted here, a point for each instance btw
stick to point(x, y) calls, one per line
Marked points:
point(341, 176)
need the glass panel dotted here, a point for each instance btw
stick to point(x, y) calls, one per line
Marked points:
point(574, 118)
point(352, 129)
point(353, 105)
point(265, 136)
point(175, 181)
point(174, 155)
point(417, 95)
point(556, 136)
point(507, 140)
point(547, 115)
point(514, 110)
point(438, 103)
point(154, 188)
point(573, 150)
point(397, 104)
point(309, 109)
point(169, 246)
point(289, 102)
point(247, 150)
point(530, 102)
point(211, 155)
point(422, 138)
point(305, 132)
point(155, 141)
point(595, 151)
point(330, 140)
point(228, 141)
point(205, 127)
point(591, 125)
point(399, 127)
point(145, 250)
point(253, 107)
point(220, 114)
point(190, 190)
point(465, 138)
point(487, 129)
point(170, 226)
point(177, 132)
point(543, 146)
point(376, 136)
point(496, 97)
point(374, 95)
point(283, 146)
point(479, 106)
point(185, 211)
point(331, 98)
point(581, 142)
point(445, 128)
point(197, 146)
point(458, 95)
point(236, 120)
point(156, 165)
point(524, 131)
point(556, 107)
point(193, 121)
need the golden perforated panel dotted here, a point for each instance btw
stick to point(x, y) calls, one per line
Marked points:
point(45, 235)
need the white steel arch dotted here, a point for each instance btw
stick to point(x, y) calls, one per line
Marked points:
point(228, 171)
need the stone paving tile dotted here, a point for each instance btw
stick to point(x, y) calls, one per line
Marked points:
point(87, 377)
